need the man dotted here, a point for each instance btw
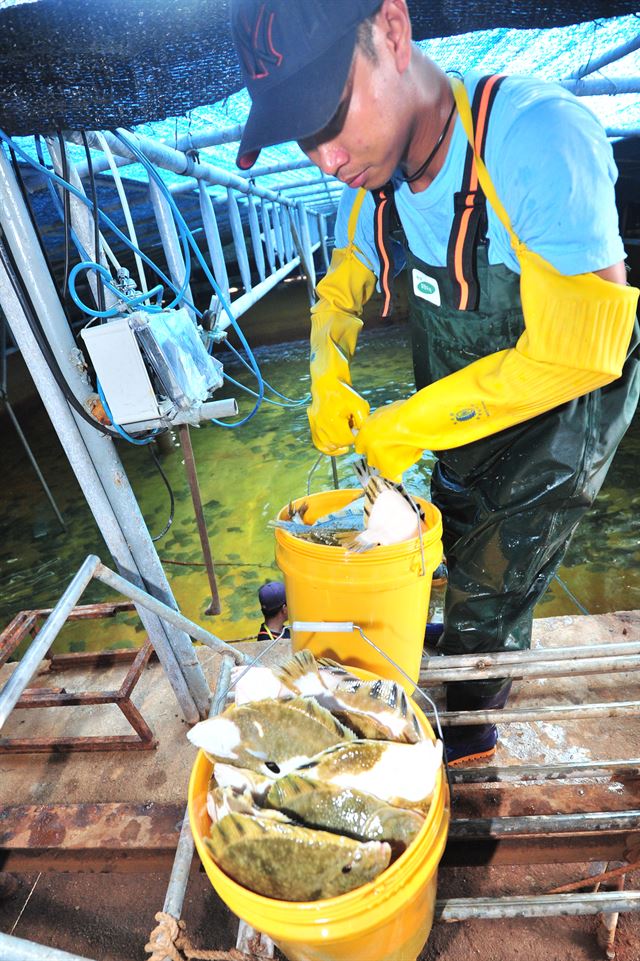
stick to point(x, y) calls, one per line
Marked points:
point(273, 604)
point(523, 328)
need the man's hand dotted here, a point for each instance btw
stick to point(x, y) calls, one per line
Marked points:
point(336, 412)
point(385, 444)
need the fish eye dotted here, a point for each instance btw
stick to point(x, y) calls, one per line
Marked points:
point(346, 869)
point(273, 767)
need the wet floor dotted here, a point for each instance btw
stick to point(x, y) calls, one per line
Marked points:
point(246, 476)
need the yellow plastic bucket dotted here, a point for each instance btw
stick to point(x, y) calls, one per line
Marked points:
point(388, 919)
point(384, 591)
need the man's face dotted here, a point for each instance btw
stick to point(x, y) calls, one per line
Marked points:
point(366, 138)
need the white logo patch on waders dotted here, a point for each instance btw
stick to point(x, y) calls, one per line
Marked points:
point(425, 287)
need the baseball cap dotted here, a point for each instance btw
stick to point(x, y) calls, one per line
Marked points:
point(295, 57)
point(272, 596)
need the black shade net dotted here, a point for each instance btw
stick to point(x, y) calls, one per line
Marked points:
point(97, 64)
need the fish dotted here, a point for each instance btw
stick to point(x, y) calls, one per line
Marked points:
point(270, 737)
point(390, 514)
point(257, 683)
point(346, 811)
point(329, 529)
point(293, 863)
point(377, 709)
point(403, 775)
point(230, 800)
point(240, 779)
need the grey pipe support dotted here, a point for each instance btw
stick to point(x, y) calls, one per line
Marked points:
point(256, 240)
point(281, 251)
point(596, 665)
point(34, 463)
point(18, 949)
point(28, 665)
point(305, 240)
point(586, 822)
point(609, 770)
point(82, 221)
point(602, 87)
point(177, 162)
point(533, 656)
point(559, 713)
point(532, 906)
point(212, 234)
point(167, 613)
point(322, 230)
point(610, 56)
point(241, 304)
point(174, 897)
point(238, 240)
point(92, 456)
point(267, 231)
point(169, 239)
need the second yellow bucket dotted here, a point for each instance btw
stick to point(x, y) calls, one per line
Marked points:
point(385, 591)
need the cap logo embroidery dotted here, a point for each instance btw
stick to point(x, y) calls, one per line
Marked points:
point(258, 51)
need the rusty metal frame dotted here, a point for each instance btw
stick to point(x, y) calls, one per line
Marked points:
point(27, 624)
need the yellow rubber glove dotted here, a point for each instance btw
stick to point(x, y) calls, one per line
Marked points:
point(336, 408)
point(576, 339)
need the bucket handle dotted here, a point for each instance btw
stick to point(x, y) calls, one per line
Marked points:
point(348, 627)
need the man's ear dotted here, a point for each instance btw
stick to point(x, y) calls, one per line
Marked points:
point(394, 22)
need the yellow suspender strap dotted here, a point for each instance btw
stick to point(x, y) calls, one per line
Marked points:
point(464, 109)
point(355, 213)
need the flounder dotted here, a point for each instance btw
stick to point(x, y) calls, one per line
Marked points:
point(270, 737)
point(293, 863)
point(400, 774)
point(228, 800)
point(241, 778)
point(344, 810)
point(377, 709)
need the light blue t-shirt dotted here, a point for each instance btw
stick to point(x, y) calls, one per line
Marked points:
point(552, 167)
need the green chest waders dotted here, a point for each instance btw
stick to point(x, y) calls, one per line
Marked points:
point(509, 502)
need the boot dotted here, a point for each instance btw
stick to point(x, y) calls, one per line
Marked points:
point(474, 742)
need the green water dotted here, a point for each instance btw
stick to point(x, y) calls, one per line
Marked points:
point(246, 476)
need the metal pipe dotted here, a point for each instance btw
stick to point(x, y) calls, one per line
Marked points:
point(606, 87)
point(611, 770)
point(238, 240)
point(169, 239)
point(322, 230)
point(539, 654)
point(77, 438)
point(214, 243)
point(558, 713)
point(34, 462)
point(177, 162)
point(269, 241)
point(241, 304)
point(17, 949)
point(596, 665)
point(256, 240)
point(174, 897)
point(28, 665)
point(174, 617)
point(532, 906)
point(281, 251)
point(194, 487)
point(81, 220)
point(586, 822)
point(610, 56)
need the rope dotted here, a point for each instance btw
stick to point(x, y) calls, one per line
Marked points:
point(170, 940)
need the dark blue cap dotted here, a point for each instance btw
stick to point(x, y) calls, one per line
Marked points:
point(295, 57)
point(272, 596)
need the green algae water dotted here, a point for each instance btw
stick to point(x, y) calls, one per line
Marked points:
point(246, 476)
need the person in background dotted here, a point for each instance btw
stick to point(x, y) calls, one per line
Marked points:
point(273, 603)
point(525, 341)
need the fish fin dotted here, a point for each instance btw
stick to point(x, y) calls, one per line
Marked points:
point(291, 786)
point(310, 706)
point(301, 664)
point(356, 543)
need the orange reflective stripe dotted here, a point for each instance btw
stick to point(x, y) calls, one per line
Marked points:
point(386, 266)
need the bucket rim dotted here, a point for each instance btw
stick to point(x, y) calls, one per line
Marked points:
point(431, 534)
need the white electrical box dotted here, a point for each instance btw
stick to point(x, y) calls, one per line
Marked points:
point(116, 356)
